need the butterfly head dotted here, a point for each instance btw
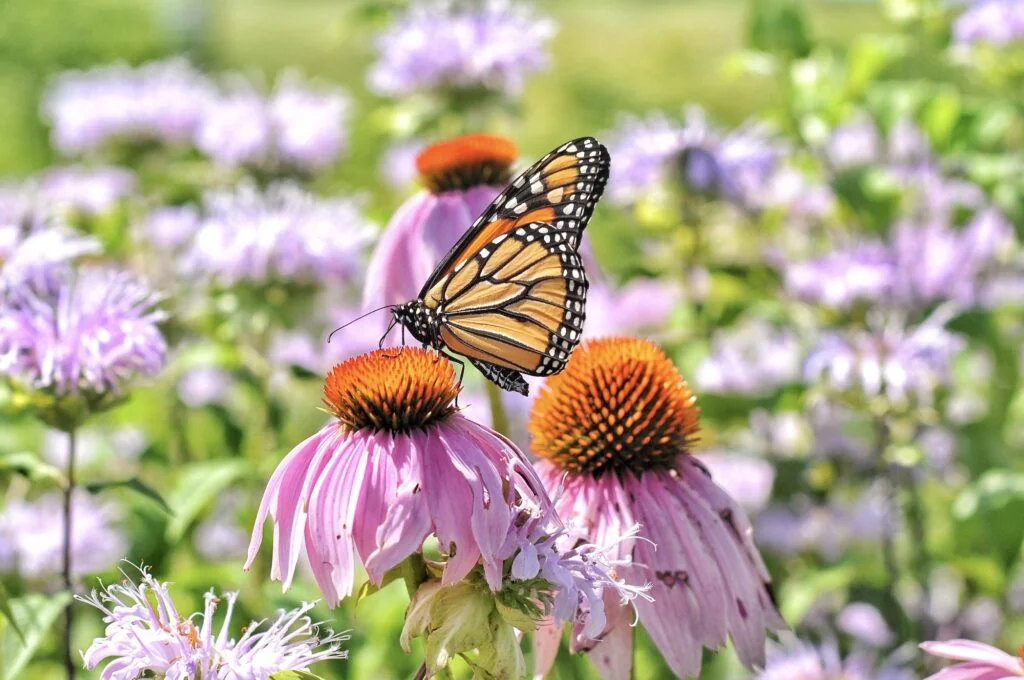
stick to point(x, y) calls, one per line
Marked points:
point(419, 319)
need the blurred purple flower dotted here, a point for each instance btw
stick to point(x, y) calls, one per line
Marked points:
point(650, 152)
point(398, 163)
point(38, 259)
point(18, 206)
point(309, 123)
point(855, 143)
point(907, 144)
point(220, 538)
point(934, 262)
point(159, 102)
point(170, 227)
point(298, 125)
point(746, 479)
point(862, 273)
point(978, 661)
point(439, 45)
point(235, 128)
point(894, 360)
point(866, 623)
point(281, 234)
point(396, 465)
point(32, 536)
point(751, 358)
point(204, 385)
point(640, 307)
point(997, 22)
point(88, 191)
point(826, 530)
point(96, 446)
point(91, 333)
point(799, 660)
point(146, 635)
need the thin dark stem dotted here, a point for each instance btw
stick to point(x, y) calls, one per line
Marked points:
point(892, 514)
point(920, 559)
point(69, 661)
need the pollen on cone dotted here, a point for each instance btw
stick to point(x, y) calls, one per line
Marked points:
point(395, 389)
point(620, 403)
point(466, 161)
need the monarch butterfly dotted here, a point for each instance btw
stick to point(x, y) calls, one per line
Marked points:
point(510, 295)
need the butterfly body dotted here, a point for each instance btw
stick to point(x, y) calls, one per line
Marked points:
point(510, 295)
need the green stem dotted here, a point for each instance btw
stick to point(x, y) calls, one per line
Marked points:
point(69, 660)
point(920, 563)
point(499, 419)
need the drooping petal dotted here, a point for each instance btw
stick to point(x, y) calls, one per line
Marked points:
point(292, 520)
point(969, 650)
point(407, 520)
point(613, 654)
point(331, 507)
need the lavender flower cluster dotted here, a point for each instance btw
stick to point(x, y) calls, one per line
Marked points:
point(299, 125)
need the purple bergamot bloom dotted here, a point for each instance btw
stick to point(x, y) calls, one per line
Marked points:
point(87, 191)
point(752, 358)
point(146, 635)
point(32, 536)
point(159, 102)
point(38, 259)
point(88, 334)
point(996, 22)
point(799, 660)
point(396, 464)
point(651, 152)
point(434, 46)
point(282, 234)
point(894, 360)
point(614, 433)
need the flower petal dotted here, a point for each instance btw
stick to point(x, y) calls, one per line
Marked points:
point(969, 650)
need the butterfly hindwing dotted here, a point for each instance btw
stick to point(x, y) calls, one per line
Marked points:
point(561, 189)
point(518, 303)
point(505, 378)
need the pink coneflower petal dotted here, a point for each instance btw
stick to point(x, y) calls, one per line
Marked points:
point(615, 431)
point(977, 652)
point(399, 463)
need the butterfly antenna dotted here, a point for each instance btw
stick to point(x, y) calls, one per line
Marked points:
point(361, 316)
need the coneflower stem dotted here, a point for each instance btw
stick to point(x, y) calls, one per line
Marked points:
point(69, 489)
point(499, 419)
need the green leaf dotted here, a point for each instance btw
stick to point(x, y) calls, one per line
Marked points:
point(198, 485)
point(779, 26)
point(29, 465)
point(294, 675)
point(798, 595)
point(5, 609)
point(135, 484)
point(36, 615)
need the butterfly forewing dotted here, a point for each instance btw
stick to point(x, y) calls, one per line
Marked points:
point(560, 189)
point(524, 308)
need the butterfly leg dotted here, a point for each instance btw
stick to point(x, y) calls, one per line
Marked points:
point(505, 378)
point(462, 369)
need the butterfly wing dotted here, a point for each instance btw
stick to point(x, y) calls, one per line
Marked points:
point(518, 303)
point(560, 189)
